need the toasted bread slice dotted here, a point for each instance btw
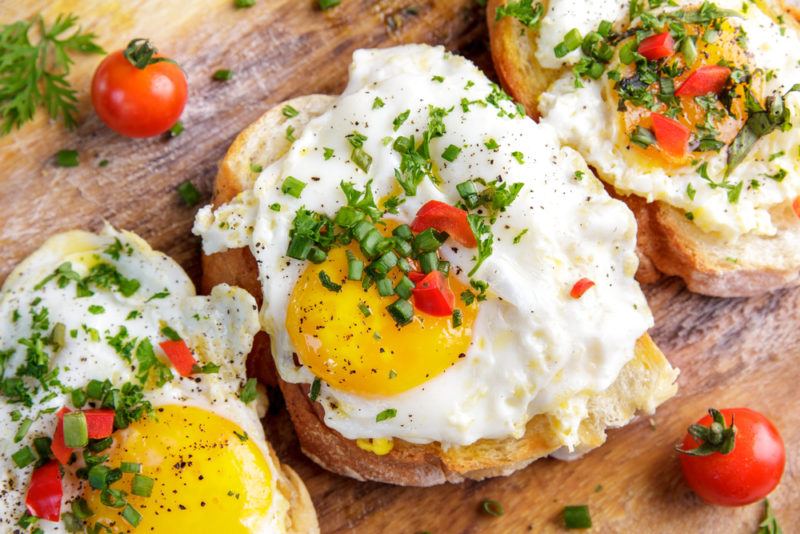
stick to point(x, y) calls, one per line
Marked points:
point(667, 241)
point(646, 380)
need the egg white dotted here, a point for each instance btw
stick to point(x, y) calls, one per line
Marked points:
point(534, 348)
point(586, 119)
point(219, 327)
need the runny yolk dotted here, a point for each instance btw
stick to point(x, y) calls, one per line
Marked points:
point(726, 49)
point(369, 355)
point(207, 479)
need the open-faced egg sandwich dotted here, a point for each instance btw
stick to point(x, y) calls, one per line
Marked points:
point(689, 109)
point(448, 292)
point(124, 401)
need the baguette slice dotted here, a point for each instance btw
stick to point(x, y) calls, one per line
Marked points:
point(667, 242)
point(645, 381)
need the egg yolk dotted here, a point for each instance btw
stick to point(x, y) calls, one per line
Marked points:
point(725, 49)
point(209, 476)
point(369, 354)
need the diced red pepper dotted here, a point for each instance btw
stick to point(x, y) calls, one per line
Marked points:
point(416, 276)
point(796, 206)
point(671, 135)
point(59, 449)
point(179, 354)
point(100, 423)
point(433, 295)
point(445, 218)
point(45, 492)
point(657, 46)
point(580, 287)
point(708, 79)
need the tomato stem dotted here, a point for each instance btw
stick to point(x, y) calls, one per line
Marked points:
point(715, 437)
point(140, 53)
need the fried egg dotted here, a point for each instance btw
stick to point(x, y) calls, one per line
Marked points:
point(82, 320)
point(589, 115)
point(524, 346)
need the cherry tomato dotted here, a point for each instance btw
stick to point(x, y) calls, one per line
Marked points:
point(746, 474)
point(137, 92)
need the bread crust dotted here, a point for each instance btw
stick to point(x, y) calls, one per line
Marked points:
point(666, 242)
point(645, 381)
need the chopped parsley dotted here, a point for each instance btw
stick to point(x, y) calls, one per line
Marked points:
point(289, 112)
point(388, 413)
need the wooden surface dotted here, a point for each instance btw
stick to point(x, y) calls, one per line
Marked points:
point(731, 352)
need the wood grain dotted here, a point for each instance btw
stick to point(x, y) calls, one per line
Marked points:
point(731, 352)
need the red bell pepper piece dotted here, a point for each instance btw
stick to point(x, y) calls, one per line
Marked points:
point(796, 206)
point(59, 449)
point(45, 492)
point(580, 287)
point(708, 79)
point(671, 135)
point(445, 218)
point(179, 354)
point(100, 423)
point(433, 295)
point(657, 46)
point(416, 276)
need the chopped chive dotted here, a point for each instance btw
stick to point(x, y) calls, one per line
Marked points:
point(491, 144)
point(426, 241)
point(400, 119)
point(299, 247)
point(361, 229)
point(403, 248)
point(403, 232)
point(315, 387)
point(80, 508)
point(377, 103)
point(492, 507)
point(404, 288)
point(365, 311)
point(275, 207)
point(176, 129)
point(355, 267)
point(76, 431)
point(222, 75)
point(98, 476)
point(429, 262)
point(403, 265)
point(327, 283)
point(255, 167)
point(113, 497)
point(327, 153)
point(468, 193)
point(141, 485)
point(23, 457)
point(130, 467)
point(519, 156)
point(293, 187)
point(388, 413)
point(572, 40)
point(384, 264)
point(401, 311)
point(577, 517)
point(451, 153)
point(129, 513)
point(95, 389)
point(519, 236)
point(642, 137)
point(103, 163)
point(290, 134)
point(67, 158)
point(457, 318)
point(249, 392)
point(24, 426)
point(42, 446)
point(317, 255)
point(360, 157)
point(328, 4)
point(370, 243)
point(243, 3)
point(188, 193)
point(385, 288)
point(289, 112)
point(443, 267)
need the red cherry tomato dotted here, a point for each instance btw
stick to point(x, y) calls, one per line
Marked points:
point(657, 46)
point(746, 474)
point(138, 93)
point(671, 135)
point(796, 206)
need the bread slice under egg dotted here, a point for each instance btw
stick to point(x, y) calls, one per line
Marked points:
point(666, 242)
point(645, 381)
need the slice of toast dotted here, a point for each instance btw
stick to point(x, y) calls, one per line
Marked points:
point(666, 240)
point(646, 380)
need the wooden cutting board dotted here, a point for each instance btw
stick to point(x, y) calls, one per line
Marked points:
point(734, 352)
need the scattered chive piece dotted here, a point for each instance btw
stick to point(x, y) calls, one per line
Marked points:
point(579, 175)
point(222, 75)
point(518, 237)
point(170, 333)
point(327, 4)
point(76, 431)
point(317, 255)
point(248, 393)
point(141, 485)
point(572, 40)
point(315, 387)
point(24, 426)
point(457, 318)
point(188, 193)
point(642, 137)
point(67, 158)
point(388, 413)
point(290, 134)
point(400, 119)
point(468, 193)
point(129, 513)
point(130, 467)
point(292, 187)
point(299, 247)
point(426, 241)
point(289, 112)
point(451, 153)
point(243, 3)
point(492, 507)
point(98, 476)
point(401, 311)
point(385, 288)
point(443, 267)
point(577, 517)
point(355, 267)
point(81, 510)
point(23, 457)
point(78, 398)
point(275, 207)
point(328, 153)
point(103, 163)
point(429, 262)
point(491, 144)
point(519, 156)
point(176, 129)
point(94, 309)
point(404, 288)
point(377, 103)
point(364, 309)
point(403, 232)
point(438, 78)
point(362, 160)
point(327, 283)
point(255, 167)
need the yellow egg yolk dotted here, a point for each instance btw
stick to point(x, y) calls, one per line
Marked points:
point(209, 476)
point(369, 355)
point(726, 48)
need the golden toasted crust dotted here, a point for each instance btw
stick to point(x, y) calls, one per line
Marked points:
point(646, 381)
point(667, 241)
